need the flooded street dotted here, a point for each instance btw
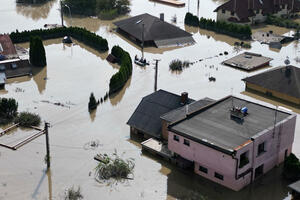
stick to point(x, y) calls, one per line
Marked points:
point(74, 71)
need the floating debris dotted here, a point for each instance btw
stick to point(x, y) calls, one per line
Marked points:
point(19, 90)
point(92, 145)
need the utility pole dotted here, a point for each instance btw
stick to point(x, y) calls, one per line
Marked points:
point(47, 145)
point(198, 6)
point(156, 71)
point(61, 13)
point(143, 27)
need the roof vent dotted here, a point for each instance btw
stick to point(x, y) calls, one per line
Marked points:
point(184, 98)
point(238, 113)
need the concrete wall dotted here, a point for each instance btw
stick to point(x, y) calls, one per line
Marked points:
point(274, 93)
point(234, 177)
point(164, 129)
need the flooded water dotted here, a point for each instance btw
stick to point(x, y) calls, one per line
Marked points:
point(74, 71)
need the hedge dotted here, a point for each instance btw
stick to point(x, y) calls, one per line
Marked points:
point(282, 22)
point(119, 79)
point(235, 30)
point(81, 34)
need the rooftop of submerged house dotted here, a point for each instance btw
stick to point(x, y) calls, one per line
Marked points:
point(214, 125)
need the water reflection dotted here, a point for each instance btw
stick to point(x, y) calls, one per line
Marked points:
point(93, 114)
point(117, 97)
point(40, 78)
point(35, 12)
point(49, 184)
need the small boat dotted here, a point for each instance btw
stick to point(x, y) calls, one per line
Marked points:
point(141, 62)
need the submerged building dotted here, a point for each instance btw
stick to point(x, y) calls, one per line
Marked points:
point(255, 11)
point(233, 141)
point(153, 31)
point(282, 83)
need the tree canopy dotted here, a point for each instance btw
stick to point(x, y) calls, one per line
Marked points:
point(37, 55)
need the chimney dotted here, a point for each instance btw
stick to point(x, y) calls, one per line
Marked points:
point(162, 16)
point(184, 98)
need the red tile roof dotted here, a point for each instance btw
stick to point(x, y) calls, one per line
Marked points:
point(7, 46)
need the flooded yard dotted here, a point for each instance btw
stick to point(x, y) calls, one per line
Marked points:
point(74, 71)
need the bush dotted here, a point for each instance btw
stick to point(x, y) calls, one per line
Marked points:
point(73, 194)
point(116, 168)
point(178, 65)
point(37, 55)
point(108, 14)
point(234, 30)
point(27, 119)
point(291, 168)
point(282, 22)
point(191, 20)
point(81, 34)
point(8, 108)
point(119, 79)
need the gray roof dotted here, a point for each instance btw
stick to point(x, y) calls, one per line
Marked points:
point(155, 30)
point(295, 186)
point(180, 113)
point(214, 127)
point(279, 79)
point(146, 116)
point(247, 61)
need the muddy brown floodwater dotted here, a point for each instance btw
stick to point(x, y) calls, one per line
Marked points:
point(74, 71)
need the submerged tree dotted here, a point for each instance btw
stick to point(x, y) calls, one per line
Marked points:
point(73, 194)
point(8, 108)
point(27, 119)
point(37, 55)
point(291, 168)
point(93, 102)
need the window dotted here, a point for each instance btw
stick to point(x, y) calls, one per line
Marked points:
point(223, 11)
point(244, 159)
point(219, 176)
point(176, 138)
point(186, 142)
point(203, 169)
point(259, 171)
point(232, 13)
point(261, 148)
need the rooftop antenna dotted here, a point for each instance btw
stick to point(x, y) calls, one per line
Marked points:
point(231, 98)
point(275, 118)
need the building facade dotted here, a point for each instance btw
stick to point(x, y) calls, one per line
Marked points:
point(241, 165)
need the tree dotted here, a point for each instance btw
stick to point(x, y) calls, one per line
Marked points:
point(37, 55)
point(92, 103)
point(8, 108)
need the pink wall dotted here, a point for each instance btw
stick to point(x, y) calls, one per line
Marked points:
point(216, 161)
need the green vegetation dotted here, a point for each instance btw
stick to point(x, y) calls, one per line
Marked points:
point(73, 194)
point(191, 20)
point(32, 1)
point(81, 34)
point(93, 103)
point(8, 109)
point(291, 168)
point(105, 9)
point(234, 30)
point(119, 79)
point(243, 45)
point(115, 168)
point(37, 55)
point(282, 22)
point(27, 119)
point(178, 65)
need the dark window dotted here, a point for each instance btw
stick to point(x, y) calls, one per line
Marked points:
point(203, 169)
point(232, 13)
point(223, 11)
point(259, 171)
point(244, 159)
point(176, 138)
point(219, 176)
point(261, 148)
point(186, 142)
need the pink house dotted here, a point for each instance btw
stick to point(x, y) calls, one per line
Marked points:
point(233, 141)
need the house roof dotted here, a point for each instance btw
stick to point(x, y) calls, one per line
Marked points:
point(285, 80)
point(180, 113)
point(7, 47)
point(246, 8)
point(213, 125)
point(154, 29)
point(146, 116)
point(295, 186)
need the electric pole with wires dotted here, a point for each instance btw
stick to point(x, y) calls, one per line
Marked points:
point(47, 145)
